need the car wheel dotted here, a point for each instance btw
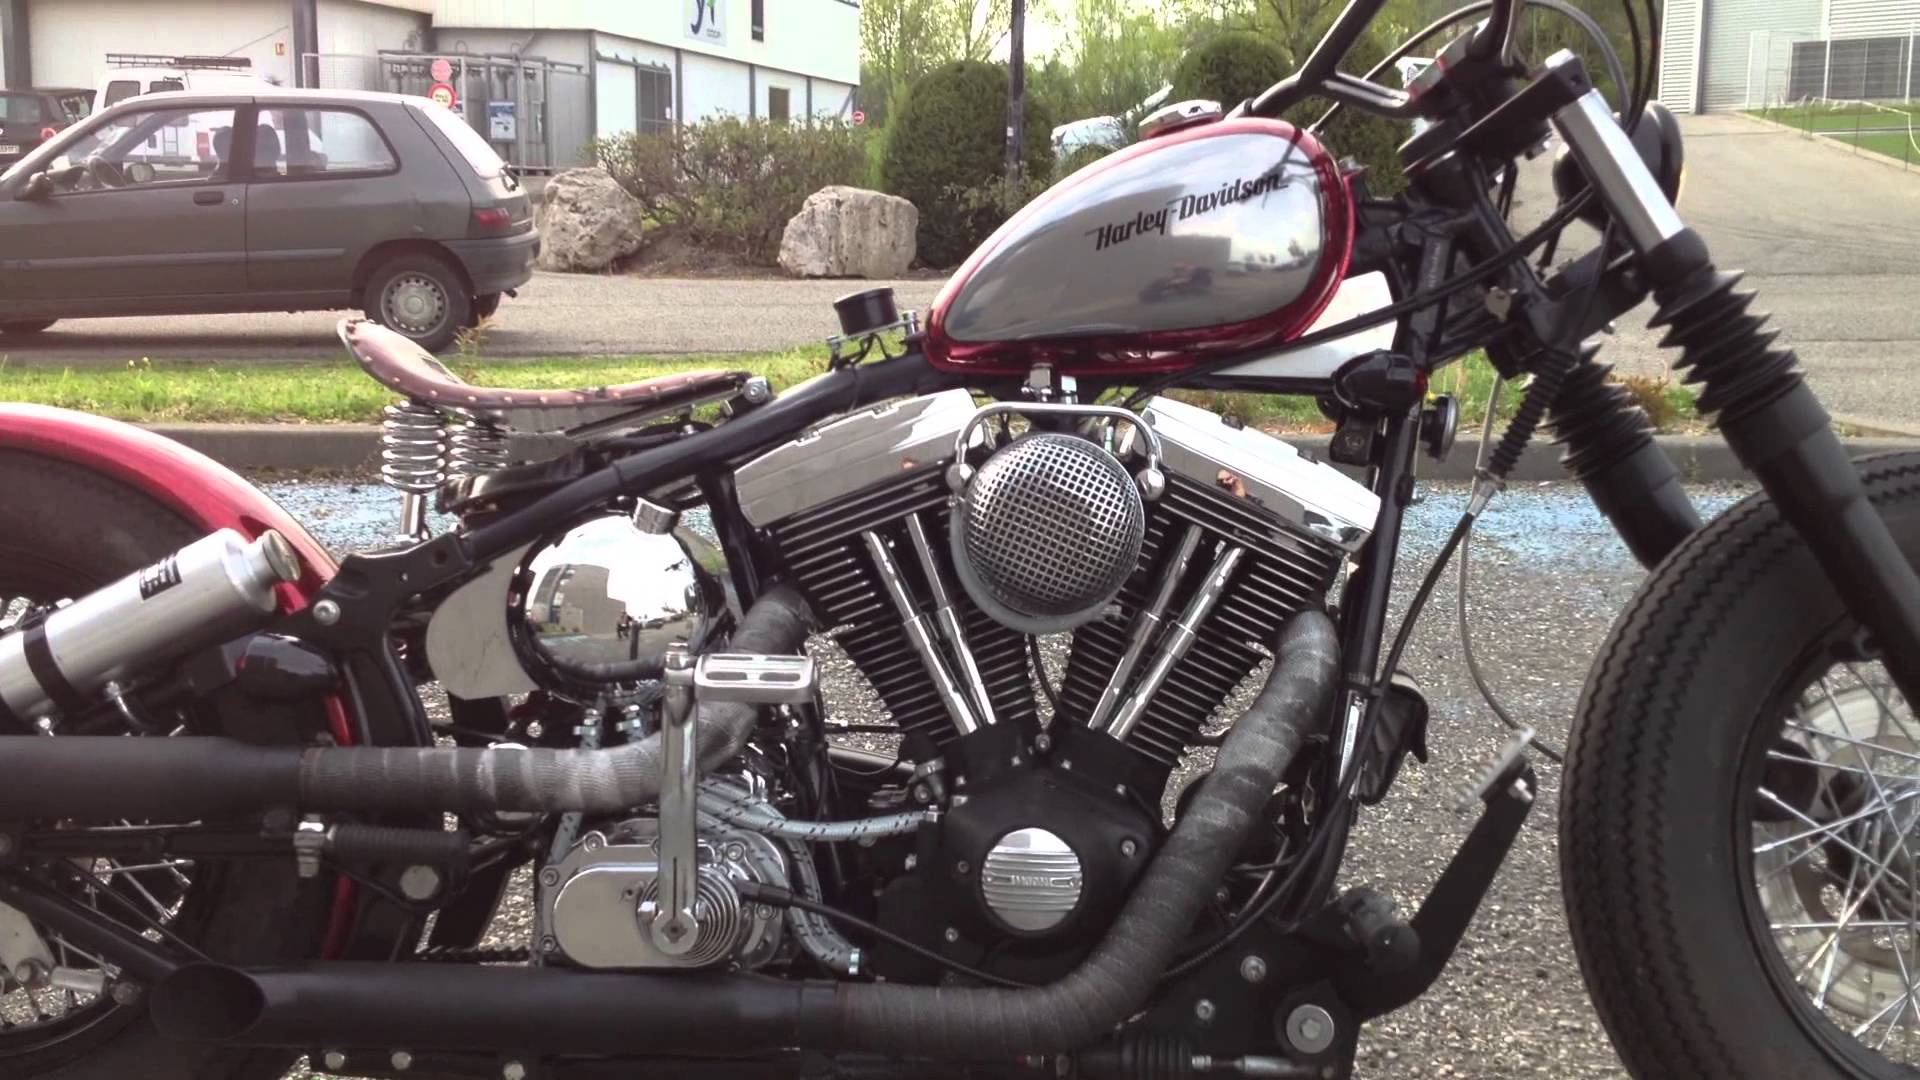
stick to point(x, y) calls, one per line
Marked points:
point(23, 327)
point(484, 306)
point(421, 298)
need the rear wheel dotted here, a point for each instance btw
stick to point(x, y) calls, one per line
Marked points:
point(63, 532)
point(421, 297)
point(23, 327)
point(1740, 826)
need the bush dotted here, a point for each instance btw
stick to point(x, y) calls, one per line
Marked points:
point(947, 135)
point(1231, 68)
point(729, 183)
point(1082, 158)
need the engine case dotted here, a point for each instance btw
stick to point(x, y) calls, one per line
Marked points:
point(600, 903)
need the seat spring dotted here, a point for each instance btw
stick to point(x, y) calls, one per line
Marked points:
point(413, 448)
point(479, 447)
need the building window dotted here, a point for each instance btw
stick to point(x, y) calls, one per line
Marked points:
point(777, 104)
point(759, 20)
point(655, 88)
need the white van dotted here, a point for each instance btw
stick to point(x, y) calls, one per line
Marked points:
point(132, 74)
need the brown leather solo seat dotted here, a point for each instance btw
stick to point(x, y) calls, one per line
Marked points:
point(409, 370)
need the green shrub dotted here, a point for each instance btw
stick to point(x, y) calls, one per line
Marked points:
point(1230, 68)
point(1082, 158)
point(732, 184)
point(947, 135)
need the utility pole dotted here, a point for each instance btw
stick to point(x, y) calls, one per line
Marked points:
point(1016, 93)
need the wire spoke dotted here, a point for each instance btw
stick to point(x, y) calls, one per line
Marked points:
point(1831, 827)
point(1863, 744)
point(1841, 840)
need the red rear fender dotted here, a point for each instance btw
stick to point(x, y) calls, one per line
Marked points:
point(201, 489)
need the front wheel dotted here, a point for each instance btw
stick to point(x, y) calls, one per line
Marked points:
point(1740, 818)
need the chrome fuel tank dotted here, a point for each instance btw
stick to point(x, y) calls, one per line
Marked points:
point(1230, 235)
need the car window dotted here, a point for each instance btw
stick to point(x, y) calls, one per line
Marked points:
point(155, 147)
point(120, 90)
point(76, 106)
point(486, 164)
point(158, 86)
point(21, 109)
point(315, 142)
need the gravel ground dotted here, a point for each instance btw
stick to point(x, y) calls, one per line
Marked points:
point(1549, 579)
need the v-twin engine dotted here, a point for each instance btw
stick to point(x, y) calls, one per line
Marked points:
point(934, 565)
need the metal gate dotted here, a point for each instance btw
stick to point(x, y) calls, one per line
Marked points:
point(534, 111)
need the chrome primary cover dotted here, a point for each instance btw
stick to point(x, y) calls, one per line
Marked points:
point(1047, 531)
point(1031, 880)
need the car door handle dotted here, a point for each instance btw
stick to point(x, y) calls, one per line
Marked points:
point(209, 198)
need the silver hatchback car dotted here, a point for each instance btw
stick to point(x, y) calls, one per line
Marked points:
point(264, 200)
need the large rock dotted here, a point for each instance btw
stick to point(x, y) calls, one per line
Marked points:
point(850, 232)
point(586, 221)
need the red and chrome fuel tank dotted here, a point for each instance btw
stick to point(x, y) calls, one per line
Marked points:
point(1230, 235)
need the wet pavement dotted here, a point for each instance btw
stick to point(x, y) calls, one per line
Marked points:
point(1548, 579)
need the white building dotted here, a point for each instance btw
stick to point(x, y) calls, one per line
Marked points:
point(656, 60)
point(1731, 54)
point(611, 65)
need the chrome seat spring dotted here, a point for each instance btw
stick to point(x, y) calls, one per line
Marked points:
point(479, 447)
point(413, 448)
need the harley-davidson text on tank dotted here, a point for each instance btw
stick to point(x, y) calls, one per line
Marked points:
point(1223, 236)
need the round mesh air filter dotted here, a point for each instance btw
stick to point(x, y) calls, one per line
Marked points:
point(1047, 532)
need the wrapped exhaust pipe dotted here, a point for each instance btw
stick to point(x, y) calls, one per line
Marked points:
point(522, 1009)
point(103, 777)
point(210, 591)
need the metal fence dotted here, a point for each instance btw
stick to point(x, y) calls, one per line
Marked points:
point(535, 112)
point(1786, 68)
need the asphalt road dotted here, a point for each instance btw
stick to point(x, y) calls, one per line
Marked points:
point(1548, 579)
point(1830, 239)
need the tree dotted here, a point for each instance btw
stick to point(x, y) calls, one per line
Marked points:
point(1115, 53)
point(904, 39)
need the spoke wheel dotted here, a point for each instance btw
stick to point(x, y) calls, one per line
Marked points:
point(1740, 815)
point(1835, 857)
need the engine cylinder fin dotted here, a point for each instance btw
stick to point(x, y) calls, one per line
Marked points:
point(1284, 573)
point(833, 567)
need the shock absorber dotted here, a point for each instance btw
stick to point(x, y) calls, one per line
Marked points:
point(413, 459)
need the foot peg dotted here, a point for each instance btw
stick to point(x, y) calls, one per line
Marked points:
point(754, 679)
point(1503, 772)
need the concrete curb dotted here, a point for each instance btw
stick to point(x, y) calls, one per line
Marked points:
point(1836, 143)
point(355, 448)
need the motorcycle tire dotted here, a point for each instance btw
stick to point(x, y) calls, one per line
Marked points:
point(1691, 694)
point(65, 530)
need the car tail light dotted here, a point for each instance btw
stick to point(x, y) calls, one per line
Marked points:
point(48, 133)
point(204, 145)
point(492, 219)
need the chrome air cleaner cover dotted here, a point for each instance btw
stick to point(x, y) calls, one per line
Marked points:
point(1047, 532)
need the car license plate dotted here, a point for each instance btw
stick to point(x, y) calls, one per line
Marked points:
point(8, 150)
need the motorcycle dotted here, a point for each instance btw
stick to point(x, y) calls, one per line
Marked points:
point(233, 829)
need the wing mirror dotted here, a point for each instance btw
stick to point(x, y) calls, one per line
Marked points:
point(38, 186)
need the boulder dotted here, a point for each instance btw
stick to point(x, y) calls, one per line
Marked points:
point(850, 232)
point(586, 220)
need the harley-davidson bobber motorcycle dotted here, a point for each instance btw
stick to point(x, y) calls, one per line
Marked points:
point(233, 831)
